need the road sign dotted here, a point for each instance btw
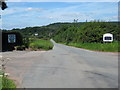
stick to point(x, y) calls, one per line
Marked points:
point(108, 37)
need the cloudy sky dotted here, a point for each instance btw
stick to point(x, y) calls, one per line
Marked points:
point(27, 14)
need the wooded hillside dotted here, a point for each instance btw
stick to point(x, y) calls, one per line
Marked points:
point(72, 32)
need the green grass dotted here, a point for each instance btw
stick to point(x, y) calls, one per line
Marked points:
point(106, 47)
point(6, 83)
point(41, 45)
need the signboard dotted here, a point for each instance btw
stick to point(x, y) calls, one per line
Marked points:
point(108, 37)
point(11, 38)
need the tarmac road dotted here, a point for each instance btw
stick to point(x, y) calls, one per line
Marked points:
point(63, 67)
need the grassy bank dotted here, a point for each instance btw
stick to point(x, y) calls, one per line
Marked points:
point(106, 47)
point(7, 84)
point(41, 45)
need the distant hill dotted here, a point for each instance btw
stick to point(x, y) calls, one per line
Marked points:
point(86, 32)
point(72, 32)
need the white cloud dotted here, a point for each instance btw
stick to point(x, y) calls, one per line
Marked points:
point(30, 16)
point(10, 11)
point(20, 9)
point(34, 9)
point(112, 18)
point(64, 14)
point(29, 9)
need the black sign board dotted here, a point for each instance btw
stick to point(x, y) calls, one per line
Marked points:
point(10, 40)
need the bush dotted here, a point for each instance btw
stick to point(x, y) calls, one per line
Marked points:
point(90, 32)
point(107, 47)
point(41, 45)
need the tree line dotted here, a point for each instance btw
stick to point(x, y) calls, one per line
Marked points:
point(89, 32)
point(72, 32)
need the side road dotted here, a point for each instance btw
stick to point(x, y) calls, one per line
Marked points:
point(63, 67)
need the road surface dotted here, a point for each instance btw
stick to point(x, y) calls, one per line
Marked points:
point(63, 67)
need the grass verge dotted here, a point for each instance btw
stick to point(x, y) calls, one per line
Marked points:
point(41, 45)
point(106, 47)
point(7, 84)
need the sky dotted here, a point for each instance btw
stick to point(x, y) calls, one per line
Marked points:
point(62, 0)
point(29, 14)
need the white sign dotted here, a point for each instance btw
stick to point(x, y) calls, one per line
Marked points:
point(108, 37)
point(11, 38)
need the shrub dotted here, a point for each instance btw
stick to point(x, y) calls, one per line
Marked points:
point(8, 84)
point(107, 47)
point(41, 45)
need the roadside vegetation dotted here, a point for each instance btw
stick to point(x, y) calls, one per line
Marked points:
point(89, 32)
point(106, 47)
point(7, 83)
point(41, 45)
point(87, 35)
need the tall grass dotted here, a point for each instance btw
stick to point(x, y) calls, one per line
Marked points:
point(41, 45)
point(106, 47)
point(7, 84)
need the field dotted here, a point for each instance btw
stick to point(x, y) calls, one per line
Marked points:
point(106, 47)
point(41, 45)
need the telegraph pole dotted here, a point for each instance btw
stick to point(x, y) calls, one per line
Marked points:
point(75, 21)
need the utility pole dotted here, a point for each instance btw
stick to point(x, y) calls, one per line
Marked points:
point(75, 20)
